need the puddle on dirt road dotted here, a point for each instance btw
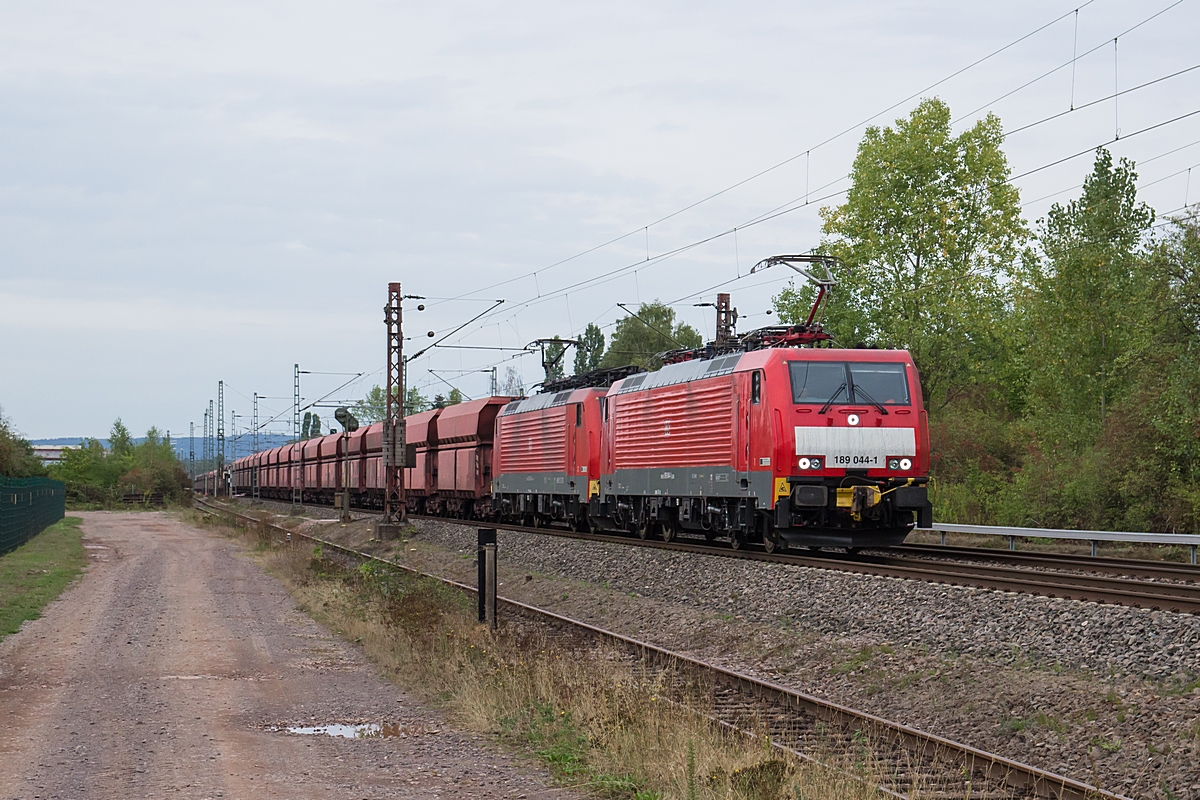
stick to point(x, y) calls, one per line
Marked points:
point(367, 731)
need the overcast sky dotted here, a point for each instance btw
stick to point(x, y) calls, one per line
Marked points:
point(198, 192)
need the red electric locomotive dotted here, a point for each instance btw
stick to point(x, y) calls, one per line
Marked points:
point(548, 451)
point(803, 447)
point(770, 437)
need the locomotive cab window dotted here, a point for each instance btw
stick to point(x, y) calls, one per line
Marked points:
point(881, 383)
point(756, 387)
point(817, 381)
point(849, 382)
point(579, 415)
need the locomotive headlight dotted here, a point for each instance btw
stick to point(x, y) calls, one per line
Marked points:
point(905, 463)
point(816, 463)
point(805, 463)
point(893, 463)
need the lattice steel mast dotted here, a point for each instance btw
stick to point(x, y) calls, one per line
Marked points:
point(254, 444)
point(297, 490)
point(220, 437)
point(393, 422)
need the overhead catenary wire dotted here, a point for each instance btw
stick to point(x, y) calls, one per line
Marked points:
point(800, 203)
point(789, 207)
point(1065, 64)
point(805, 154)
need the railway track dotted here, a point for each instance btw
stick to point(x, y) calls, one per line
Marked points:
point(1129, 567)
point(912, 763)
point(1128, 582)
point(1049, 580)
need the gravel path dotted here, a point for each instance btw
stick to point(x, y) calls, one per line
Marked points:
point(169, 668)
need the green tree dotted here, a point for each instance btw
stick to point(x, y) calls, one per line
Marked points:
point(93, 474)
point(639, 338)
point(371, 408)
point(928, 234)
point(590, 350)
point(154, 468)
point(1086, 301)
point(119, 439)
point(16, 453)
point(415, 402)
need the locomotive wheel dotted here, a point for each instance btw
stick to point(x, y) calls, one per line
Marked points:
point(772, 541)
point(643, 531)
point(667, 530)
point(538, 521)
point(737, 540)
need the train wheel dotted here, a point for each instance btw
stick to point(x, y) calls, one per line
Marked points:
point(772, 541)
point(644, 531)
point(737, 540)
point(667, 530)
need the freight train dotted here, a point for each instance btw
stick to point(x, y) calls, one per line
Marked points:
point(771, 438)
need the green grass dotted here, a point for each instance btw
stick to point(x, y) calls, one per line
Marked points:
point(37, 572)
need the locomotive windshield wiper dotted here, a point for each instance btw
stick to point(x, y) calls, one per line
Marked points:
point(832, 397)
point(860, 392)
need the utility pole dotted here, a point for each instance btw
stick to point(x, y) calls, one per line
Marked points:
point(212, 446)
point(254, 442)
point(495, 383)
point(220, 437)
point(192, 451)
point(297, 481)
point(393, 422)
point(204, 445)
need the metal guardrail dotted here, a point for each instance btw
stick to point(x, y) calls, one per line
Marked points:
point(27, 507)
point(1189, 540)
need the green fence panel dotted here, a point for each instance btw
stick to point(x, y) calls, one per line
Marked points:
point(27, 507)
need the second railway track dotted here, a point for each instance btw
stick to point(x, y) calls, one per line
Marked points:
point(1142, 584)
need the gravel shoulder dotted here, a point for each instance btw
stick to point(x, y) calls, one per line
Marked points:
point(165, 669)
point(1104, 694)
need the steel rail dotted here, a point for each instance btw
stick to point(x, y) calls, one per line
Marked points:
point(1032, 781)
point(1175, 597)
point(1141, 568)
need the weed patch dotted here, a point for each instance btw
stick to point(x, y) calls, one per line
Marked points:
point(598, 720)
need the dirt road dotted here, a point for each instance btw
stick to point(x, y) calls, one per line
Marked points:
point(163, 671)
